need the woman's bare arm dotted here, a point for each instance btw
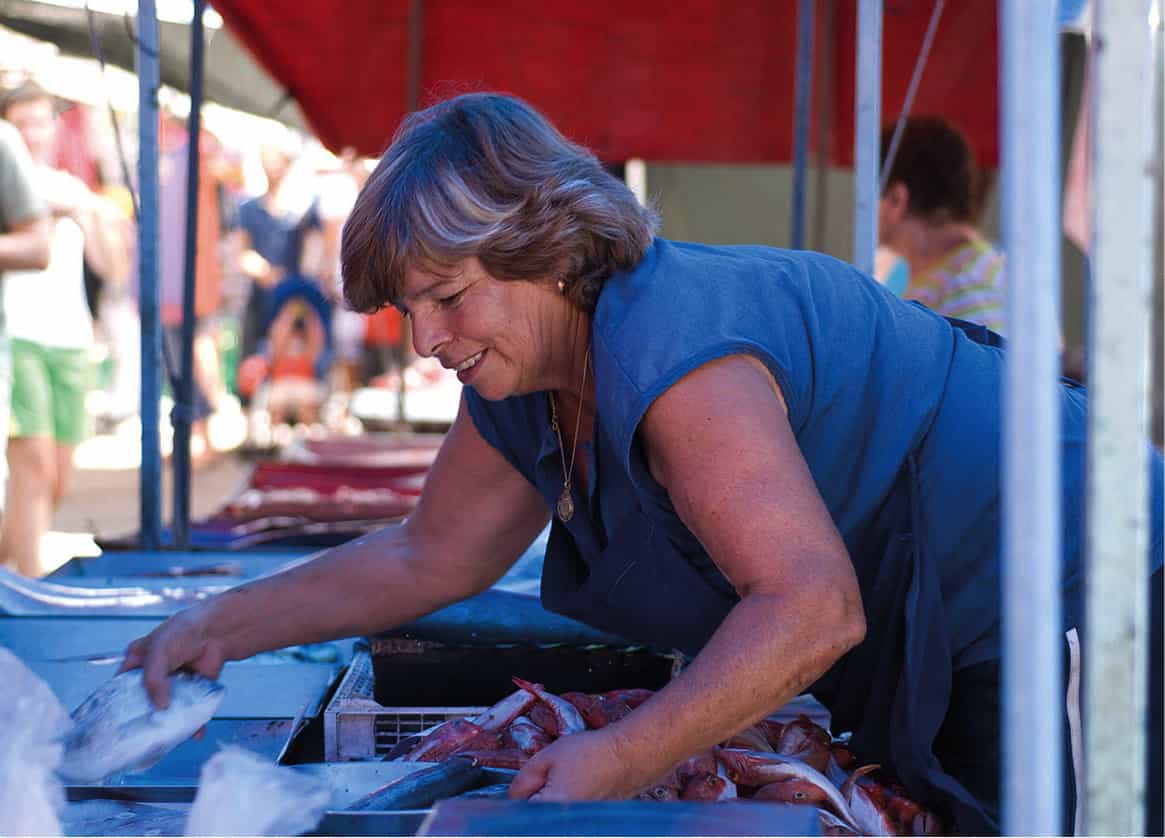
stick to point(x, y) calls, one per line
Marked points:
point(719, 441)
point(473, 520)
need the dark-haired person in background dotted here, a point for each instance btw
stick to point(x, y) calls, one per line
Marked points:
point(927, 216)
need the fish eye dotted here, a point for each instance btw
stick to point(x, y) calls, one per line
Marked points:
point(800, 795)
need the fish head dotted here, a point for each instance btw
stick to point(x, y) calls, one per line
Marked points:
point(118, 729)
point(793, 790)
point(704, 787)
point(661, 793)
point(745, 767)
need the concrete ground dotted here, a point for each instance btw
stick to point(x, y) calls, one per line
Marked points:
point(105, 497)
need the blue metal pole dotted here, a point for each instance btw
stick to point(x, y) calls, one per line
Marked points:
point(149, 292)
point(867, 133)
point(183, 415)
point(801, 121)
point(1033, 685)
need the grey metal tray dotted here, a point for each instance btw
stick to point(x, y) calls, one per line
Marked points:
point(631, 817)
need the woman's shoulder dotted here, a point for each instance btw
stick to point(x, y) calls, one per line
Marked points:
point(688, 286)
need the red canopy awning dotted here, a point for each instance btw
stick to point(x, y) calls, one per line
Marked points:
point(695, 81)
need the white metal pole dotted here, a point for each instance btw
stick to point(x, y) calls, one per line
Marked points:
point(1122, 248)
point(1033, 692)
point(635, 176)
point(867, 133)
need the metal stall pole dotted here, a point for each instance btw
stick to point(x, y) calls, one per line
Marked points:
point(828, 54)
point(149, 293)
point(1122, 246)
point(412, 101)
point(183, 415)
point(867, 132)
point(1033, 697)
point(911, 90)
point(804, 95)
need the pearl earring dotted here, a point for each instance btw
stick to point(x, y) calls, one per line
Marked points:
point(561, 287)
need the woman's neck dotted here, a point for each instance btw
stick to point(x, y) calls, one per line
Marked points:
point(923, 244)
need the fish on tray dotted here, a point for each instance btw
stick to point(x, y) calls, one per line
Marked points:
point(797, 762)
point(423, 787)
point(118, 729)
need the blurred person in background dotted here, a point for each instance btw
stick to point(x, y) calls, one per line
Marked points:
point(272, 237)
point(25, 244)
point(926, 216)
point(208, 389)
point(339, 187)
point(51, 329)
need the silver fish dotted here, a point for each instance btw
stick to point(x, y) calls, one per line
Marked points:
point(498, 791)
point(569, 719)
point(760, 768)
point(505, 711)
point(423, 787)
point(118, 729)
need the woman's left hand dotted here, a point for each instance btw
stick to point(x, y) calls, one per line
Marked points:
point(582, 766)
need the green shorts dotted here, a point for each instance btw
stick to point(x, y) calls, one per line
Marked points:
point(49, 386)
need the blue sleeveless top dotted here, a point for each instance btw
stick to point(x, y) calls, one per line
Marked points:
point(870, 382)
point(897, 413)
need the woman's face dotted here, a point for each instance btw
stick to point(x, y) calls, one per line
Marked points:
point(497, 334)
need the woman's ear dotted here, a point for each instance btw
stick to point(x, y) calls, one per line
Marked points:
point(896, 201)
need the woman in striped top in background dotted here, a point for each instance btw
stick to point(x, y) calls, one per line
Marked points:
point(926, 216)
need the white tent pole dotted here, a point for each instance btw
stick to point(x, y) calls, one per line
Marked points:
point(1122, 248)
point(867, 133)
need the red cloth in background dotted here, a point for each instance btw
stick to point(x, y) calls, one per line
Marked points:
point(698, 81)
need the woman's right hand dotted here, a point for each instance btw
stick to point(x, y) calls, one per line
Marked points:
point(185, 641)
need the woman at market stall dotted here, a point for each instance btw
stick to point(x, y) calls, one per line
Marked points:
point(759, 457)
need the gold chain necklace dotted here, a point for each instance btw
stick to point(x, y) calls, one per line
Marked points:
point(565, 505)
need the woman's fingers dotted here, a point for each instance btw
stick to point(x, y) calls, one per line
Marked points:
point(134, 655)
point(531, 779)
point(209, 663)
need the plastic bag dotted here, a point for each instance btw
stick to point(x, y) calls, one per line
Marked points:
point(32, 721)
point(240, 793)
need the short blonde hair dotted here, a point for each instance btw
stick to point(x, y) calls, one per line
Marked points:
point(486, 175)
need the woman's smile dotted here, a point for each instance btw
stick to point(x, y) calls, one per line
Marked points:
point(467, 369)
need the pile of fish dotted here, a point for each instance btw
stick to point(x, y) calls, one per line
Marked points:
point(797, 762)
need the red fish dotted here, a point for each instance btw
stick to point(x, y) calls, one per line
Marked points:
point(794, 790)
point(661, 792)
point(544, 717)
point(701, 763)
point(483, 740)
point(750, 739)
point(527, 736)
point(772, 729)
point(807, 741)
point(707, 787)
point(614, 708)
point(443, 741)
point(569, 720)
point(867, 802)
point(756, 768)
point(501, 758)
point(505, 711)
point(590, 707)
point(831, 824)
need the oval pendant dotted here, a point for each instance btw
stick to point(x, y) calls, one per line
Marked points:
point(565, 506)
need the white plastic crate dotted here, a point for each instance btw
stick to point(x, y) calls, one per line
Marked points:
point(356, 727)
